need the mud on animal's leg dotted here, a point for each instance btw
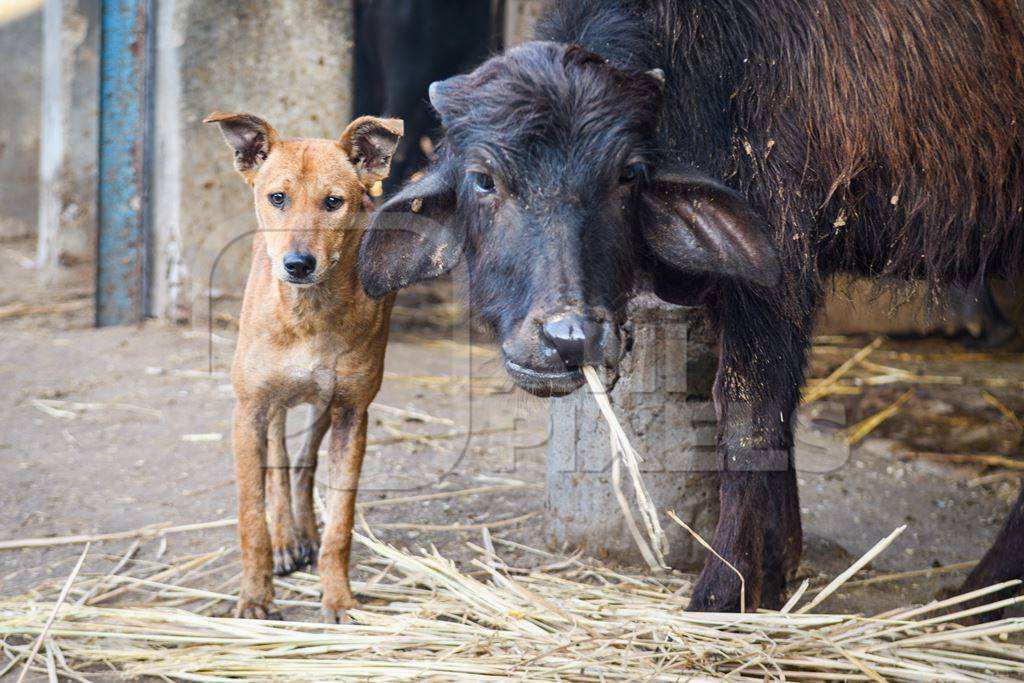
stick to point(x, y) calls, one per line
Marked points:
point(345, 460)
point(303, 480)
point(249, 438)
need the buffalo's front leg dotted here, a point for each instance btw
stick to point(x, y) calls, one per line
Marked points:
point(757, 390)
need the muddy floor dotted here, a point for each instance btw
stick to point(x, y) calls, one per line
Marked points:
point(107, 430)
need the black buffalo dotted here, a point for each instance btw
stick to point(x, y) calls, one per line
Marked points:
point(733, 152)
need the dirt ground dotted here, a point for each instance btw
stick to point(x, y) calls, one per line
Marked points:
point(105, 430)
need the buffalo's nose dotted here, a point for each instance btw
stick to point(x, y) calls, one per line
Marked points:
point(577, 339)
point(299, 264)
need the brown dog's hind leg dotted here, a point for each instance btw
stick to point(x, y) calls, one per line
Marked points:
point(345, 460)
point(249, 435)
point(283, 535)
point(318, 421)
point(1004, 561)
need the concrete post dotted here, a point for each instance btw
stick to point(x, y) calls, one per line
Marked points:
point(289, 63)
point(663, 399)
point(68, 159)
point(20, 47)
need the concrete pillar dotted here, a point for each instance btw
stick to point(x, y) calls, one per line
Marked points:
point(289, 63)
point(68, 159)
point(20, 48)
point(663, 399)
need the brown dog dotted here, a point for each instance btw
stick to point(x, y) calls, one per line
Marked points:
point(308, 335)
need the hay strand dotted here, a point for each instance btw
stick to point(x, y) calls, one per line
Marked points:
point(727, 563)
point(856, 433)
point(622, 450)
point(53, 615)
point(987, 459)
point(823, 387)
point(837, 582)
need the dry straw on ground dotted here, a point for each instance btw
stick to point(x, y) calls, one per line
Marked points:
point(428, 619)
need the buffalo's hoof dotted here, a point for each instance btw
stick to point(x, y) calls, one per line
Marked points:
point(718, 590)
point(710, 601)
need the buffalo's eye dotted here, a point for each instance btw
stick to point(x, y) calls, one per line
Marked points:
point(333, 203)
point(631, 173)
point(482, 182)
point(277, 199)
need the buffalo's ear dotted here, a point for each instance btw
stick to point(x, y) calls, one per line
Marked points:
point(249, 136)
point(413, 236)
point(444, 98)
point(697, 225)
point(370, 143)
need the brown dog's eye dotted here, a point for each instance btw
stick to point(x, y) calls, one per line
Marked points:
point(333, 203)
point(277, 199)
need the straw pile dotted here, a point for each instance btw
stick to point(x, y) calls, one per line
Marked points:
point(427, 619)
point(564, 619)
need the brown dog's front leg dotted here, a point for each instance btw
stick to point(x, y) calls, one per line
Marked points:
point(345, 460)
point(249, 434)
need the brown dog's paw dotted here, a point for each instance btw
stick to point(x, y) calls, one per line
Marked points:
point(336, 611)
point(252, 609)
point(294, 557)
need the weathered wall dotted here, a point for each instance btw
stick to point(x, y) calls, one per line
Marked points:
point(20, 84)
point(289, 63)
point(68, 162)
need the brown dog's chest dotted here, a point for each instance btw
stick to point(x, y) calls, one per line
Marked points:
point(311, 370)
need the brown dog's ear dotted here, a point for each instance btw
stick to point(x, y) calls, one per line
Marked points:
point(250, 136)
point(697, 225)
point(369, 143)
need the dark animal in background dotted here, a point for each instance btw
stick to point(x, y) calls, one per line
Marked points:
point(403, 46)
point(732, 152)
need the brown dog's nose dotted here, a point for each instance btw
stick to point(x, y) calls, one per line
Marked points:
point(299, 265)
point(577, 339)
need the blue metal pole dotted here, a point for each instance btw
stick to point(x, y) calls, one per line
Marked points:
point(121, 277)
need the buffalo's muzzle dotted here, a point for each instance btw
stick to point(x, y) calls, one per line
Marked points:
point(578, 340)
